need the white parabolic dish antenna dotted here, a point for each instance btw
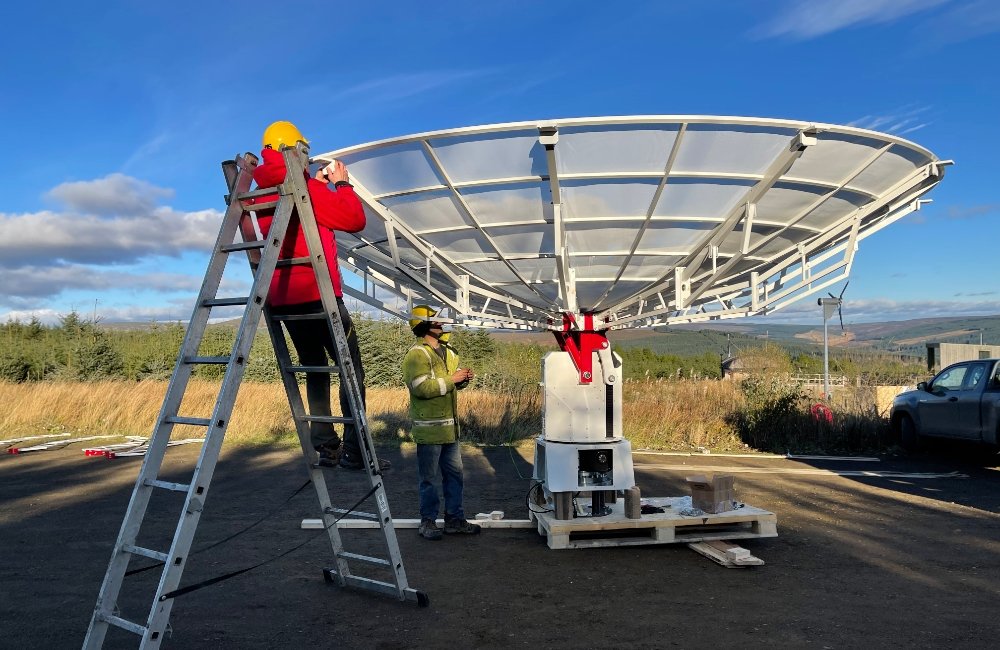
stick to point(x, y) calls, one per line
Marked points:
point(632, 221)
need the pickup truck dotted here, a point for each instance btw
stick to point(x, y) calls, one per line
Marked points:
point(960, 402)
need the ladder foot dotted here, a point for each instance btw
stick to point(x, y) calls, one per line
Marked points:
point(332, 576)
point(423, 600)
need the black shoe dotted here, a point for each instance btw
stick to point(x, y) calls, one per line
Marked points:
point(461, 527)
point(354, 462)
point(429, 530)
point(330, 453)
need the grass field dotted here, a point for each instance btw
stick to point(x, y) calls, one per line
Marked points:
point(674, 415)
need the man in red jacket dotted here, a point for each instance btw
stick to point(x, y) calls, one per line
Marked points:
point(294, 291)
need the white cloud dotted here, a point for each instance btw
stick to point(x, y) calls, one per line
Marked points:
point(899, 121)
point(31, 282)
point(882, 309)
point(170, 311)
point(35, 282)
point(961, 212)
point(913, 128)
point(401, 86)
point(387, 94)
point(964, 21)
point(111, 232)
point(147, 149)
point(110, 220)
point(805, 20)
point(113, 195)
point(48, 316)
point(53, 237)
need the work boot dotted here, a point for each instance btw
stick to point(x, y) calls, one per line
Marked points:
point(353, 461)
point(330, 453)
point(461, 527)
point(429, 530)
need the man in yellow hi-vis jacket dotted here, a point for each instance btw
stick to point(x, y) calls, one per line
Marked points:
point(432, 375)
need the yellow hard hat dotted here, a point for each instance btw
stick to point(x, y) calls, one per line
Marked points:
point(279, 134)
point(419, 315)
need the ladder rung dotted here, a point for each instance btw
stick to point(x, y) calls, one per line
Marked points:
point(176, 419)
point(242, 246)
point(208, 360)
point(329, 419)
point(145, 552)
point(334, 370)
point(175, 487)
point(379, 586)
point(354, 513)
point(134, 628)
point(295, 261)
point(261, 191)
point(262, 205)
point(226, 302)
point(363, 558)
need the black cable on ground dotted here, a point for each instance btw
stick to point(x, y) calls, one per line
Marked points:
point(226, 539)
point(233, 574)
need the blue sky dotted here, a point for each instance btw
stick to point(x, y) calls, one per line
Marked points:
point(119, 114)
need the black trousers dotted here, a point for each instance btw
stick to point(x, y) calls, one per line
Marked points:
point(315, 346)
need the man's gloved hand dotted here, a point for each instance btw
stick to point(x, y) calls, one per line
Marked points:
point(462, 377)
point(335, 172)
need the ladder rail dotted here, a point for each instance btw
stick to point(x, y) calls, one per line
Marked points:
point(225, 401)
point(263, 254)
point(302, 428)
point(222, 412)
point(310, 229)
point(139, 501)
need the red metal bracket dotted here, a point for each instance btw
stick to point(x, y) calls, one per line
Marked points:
point(581, 344)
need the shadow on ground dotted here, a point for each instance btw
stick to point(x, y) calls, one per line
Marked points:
point(860, 562)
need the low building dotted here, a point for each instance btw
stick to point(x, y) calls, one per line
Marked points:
point(733, 368)
point(941, 355)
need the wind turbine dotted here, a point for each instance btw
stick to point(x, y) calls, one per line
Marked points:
point(829, 305)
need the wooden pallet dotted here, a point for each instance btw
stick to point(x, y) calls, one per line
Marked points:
point(668, 527)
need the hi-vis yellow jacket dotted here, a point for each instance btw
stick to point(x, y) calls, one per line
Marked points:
point(433, 396)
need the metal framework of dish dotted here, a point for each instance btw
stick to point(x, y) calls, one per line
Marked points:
point(639, 221)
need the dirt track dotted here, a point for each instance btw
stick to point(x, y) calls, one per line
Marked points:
point(860, 562)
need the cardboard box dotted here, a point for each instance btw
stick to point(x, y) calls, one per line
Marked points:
point(712, 495)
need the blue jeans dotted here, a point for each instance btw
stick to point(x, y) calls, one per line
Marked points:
point(448, 459)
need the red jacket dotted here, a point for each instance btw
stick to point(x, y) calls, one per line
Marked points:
point(338, 209)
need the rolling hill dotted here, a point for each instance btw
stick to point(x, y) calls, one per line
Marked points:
point(902, 338)
point(906, 339)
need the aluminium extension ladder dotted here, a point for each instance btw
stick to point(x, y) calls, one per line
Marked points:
point(293, 198)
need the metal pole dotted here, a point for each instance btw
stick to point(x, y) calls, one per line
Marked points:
point(826, 356)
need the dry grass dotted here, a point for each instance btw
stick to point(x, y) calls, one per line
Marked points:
point(679, 415)
point(125, 408)
point(261, 413)
point(500, 418)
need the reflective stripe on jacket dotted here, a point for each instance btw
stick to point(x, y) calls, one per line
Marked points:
point(433, 398)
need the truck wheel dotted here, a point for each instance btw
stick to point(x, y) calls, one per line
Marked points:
point(908, 436)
